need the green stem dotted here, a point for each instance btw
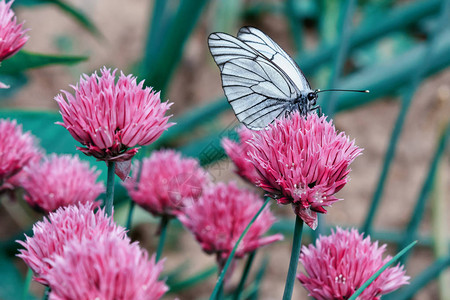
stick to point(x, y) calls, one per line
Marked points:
point(162, 235)
point(245, 273)
point(231, 256)
point(220, 292)
point(27, 284)
point(110, 188)
point(381, 270)
point(345, 20)
point(46, 293)
point(136, 187)
point(130, 214)
point(295, 254)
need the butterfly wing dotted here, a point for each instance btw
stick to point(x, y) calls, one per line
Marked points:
point(259, 41)
point(257, 89)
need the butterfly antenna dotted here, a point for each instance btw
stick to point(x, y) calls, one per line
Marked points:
point(338, 90)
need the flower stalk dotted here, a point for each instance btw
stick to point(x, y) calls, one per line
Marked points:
point(110, 188)
point(295, 253)
point(162, 230)
point(230, 257)
point(27, 284)
point(245, 273)
point(130, 214)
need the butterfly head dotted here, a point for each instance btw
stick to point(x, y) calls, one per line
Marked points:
point(312, 98)
point(305, 103)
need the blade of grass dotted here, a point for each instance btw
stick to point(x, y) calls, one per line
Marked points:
point(387, 162)
point(25, 60)
point(420, 281)
point(374, 276)
point(416, 78)
point(78, 15)
point(440, 225)
point(253, 295)
point(294, 20)
point(158, 26)
point(72, 11)
point(244, 276)
point(328, 101)
point(231, 256)
point(371, 29)
point(26, 287)
point(227, 15)
point(419, 208)
point(158, 68)
point(193, 280)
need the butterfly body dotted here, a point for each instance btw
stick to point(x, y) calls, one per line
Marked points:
point(261, 81)
point(305, 103)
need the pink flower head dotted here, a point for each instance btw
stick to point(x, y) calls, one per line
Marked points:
point(74, 222)
point(12, 35)
point(238, 153)
point(109, 268)
point(17, 150)
point(220, 216)
point(167, 182)
point(340, 263)
point(302, 161)
point(110, 118)
point(60, 181)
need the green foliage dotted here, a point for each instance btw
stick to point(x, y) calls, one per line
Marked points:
point(168, 34)
point(71, 11)
point(12, 282)
point(25, 60)
point(386, 265)
point(180, 285)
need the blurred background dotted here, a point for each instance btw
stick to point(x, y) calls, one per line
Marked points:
point(399, 50)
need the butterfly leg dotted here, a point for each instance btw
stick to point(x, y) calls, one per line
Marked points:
point(318, 109)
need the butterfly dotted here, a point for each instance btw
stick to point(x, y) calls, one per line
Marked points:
point(260, 80)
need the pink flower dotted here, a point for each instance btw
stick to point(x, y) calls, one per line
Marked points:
point(17, 150)
point(110, 118)
point(109, 268)
point(303, 162)
point(12, 35)
point(167, 182)
point(238, 153)
point(60, 181)
point(340, 263)
point(220, 216)
point(74, 222)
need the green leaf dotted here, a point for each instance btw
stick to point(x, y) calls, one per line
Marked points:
point(254, 288)
point(188, 283)
point(73, 12)
point(421, 280)
point(419, 208)
point(11, 284)
point(52, 137)
point(219, 282)
point(78, 15)
point(25, 60)
point(386, 265)
point(163, 54)
point(15, 82)
point(227, 15)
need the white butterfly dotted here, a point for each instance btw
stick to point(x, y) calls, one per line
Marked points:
point(261, 81)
